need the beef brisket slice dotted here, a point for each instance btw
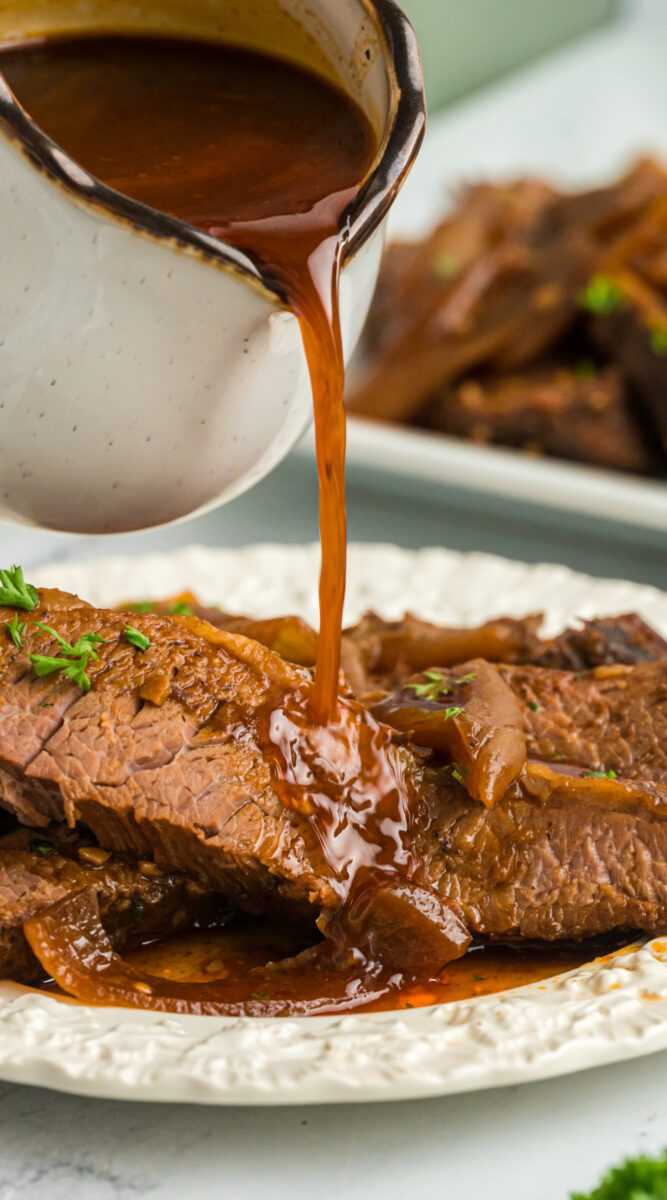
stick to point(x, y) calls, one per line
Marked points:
point(609, 719)
point(136, 900)
point(566, 869)
point(176, 777)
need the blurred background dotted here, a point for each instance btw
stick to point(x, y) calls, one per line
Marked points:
point(572, 89)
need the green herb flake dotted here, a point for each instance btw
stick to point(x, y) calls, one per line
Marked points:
point(180, 609)
point(73, 663)
point(41, 846)
point(450, 713)
point(15, 629)
point(659, 340)
point(261, 996)
point(586, 368)
point(408, 1005)
point(145, 606)
point(479, 978)
point(459, 773)
point(602, 296)
point(445, 267)
point(138, 907)
point(432, 689)
point(637, 1179)
point(15, 592)
point(136, 638)
point(600, 775)
point(532, 704)
point(466, 678)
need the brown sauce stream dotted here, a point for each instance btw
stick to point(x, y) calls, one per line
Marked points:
point(269, 158)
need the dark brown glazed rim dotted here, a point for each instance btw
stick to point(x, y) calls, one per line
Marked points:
point(401, 142)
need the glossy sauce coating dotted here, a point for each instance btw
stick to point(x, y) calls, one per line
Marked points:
point(269, 158)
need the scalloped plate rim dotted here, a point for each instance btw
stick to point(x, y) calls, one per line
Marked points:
point(606, 1011)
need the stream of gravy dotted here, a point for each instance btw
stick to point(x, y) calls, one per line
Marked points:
point(269, 158)
point(250, 149)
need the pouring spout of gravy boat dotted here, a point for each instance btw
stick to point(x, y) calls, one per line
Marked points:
point(148, 370)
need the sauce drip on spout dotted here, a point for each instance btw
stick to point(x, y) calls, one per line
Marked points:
point(269, 159)
point(250, 149)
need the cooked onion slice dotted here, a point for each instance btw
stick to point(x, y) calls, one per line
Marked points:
point(72, 946)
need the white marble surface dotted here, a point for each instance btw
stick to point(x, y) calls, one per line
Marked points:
point(543, 1140)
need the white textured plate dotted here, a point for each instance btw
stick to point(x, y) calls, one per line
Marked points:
point(604, 1012)
point(578, 119)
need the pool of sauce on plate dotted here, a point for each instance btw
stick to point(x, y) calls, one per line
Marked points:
point(269, 158)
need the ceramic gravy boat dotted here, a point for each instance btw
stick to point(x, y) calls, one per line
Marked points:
point(147, 370)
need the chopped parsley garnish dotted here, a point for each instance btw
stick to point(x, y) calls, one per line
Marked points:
point(261, 996)
point(600, 775)
point(586, 368)
point(136, 638)
point(459, 773)
point(73, 663)
point(479, 978)
point(181, 609)
point(138, 907)
point(602, 296)
point(431, 690)
point(15, 629)
point(637, 1179)
point(437, 685)
point(146, 606)
point(41, 846)
point(534, 705)
point(453, 712)
point(659, 340)
point(15, 592)
point(445, 267)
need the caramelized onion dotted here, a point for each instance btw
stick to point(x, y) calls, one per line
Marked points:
point(72, 946)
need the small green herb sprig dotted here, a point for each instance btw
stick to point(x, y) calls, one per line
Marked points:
point(73, 661)
point(136, 638)
point(436, 685)
point(600, 775)
point(15, 592)
point(15, 630)
point(458, 772)
point(602, 296)
point(637, 1179)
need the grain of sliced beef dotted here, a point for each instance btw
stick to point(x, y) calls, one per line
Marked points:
point(136, 901)
point(609, 719)
point(571, 868)
point(158, 758)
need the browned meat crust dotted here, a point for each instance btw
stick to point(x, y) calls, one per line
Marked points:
point(180, 778)
point(549, 410)
point(136, 900)
point(531, 319)
point(566, 869)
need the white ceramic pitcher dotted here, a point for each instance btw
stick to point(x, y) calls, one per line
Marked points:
point(147, 370)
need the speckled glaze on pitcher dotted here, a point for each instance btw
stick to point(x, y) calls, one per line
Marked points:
point(149, 371)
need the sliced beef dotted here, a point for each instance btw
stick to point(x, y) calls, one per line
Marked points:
point(159, 758)
point(162, 759)
point(609, 719)
point(626, 639)
point(573, 868)
point(136, 900)
point(548, 410)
